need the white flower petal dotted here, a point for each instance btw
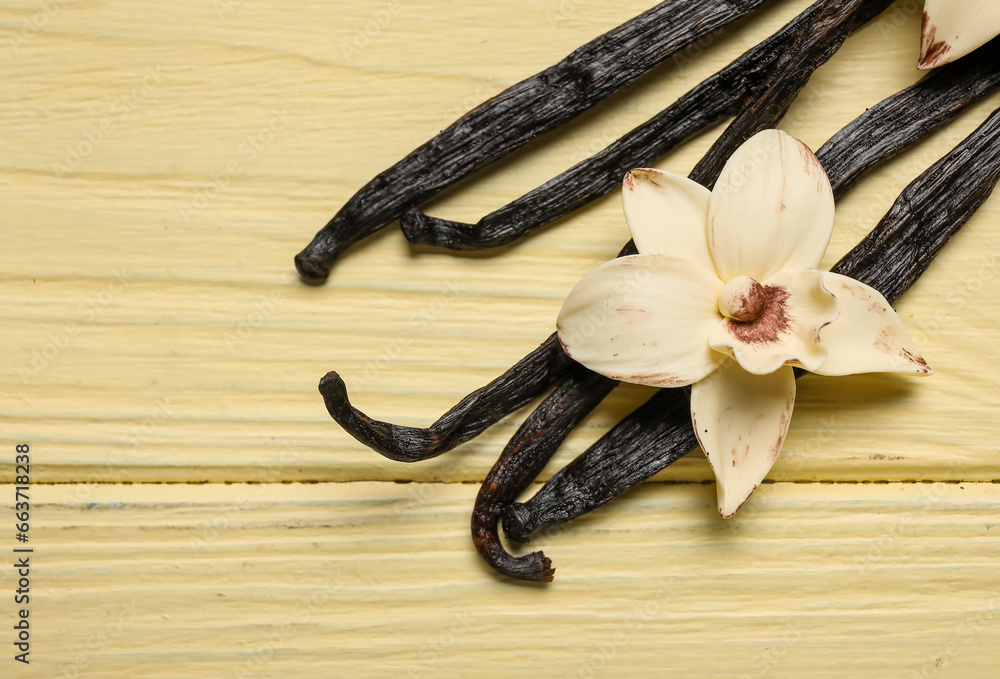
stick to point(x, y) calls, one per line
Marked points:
point(787, 332)
point(867, 336)
point(643, 319)
point(741, 421)
point(953, 28)
point(771, 209)
point(667, 214)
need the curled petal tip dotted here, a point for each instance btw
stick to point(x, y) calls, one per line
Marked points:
point(916, 362)
point(868, 335)
point(953, 28)
point(932, 60)
point(933, 52)
point(925, 64)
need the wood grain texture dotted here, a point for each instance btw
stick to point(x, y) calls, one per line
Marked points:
point(379, 580)
point(208, 327)
point(160, 165)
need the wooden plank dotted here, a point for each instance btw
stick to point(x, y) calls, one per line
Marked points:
point(380, 579)
point(154, 328)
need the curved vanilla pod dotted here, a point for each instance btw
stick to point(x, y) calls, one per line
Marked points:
point(522, 460)
point(651, 438)
point(720, 95)
point(516, 116)
point(475, 413)
point(890, 259)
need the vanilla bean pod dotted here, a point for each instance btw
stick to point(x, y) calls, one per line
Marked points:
point(940, 96)
point(890, 259)
point(651, 438)
point(521, 461)
point(927, 214)
point(529, 377)
point(516, 116)
point(538, 438)
point(814, 43)
point(896, 122)
point(722, 94)
point(812, 47)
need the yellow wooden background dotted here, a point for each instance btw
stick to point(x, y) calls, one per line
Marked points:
point(197, 514)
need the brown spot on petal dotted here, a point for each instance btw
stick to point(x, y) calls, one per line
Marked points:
point(813, 166)
point(664, 379)
point(786, 415)
point(636, 315)
point(876, 308)
point(809, 158)
point(932, 53)
point(726, 516)
point(886, 338)
point(857, 292)
point(770, 325)
point(563, 345)
point(916, 359)
point(740, 456)
point(776, 449)
point(632, 178)
point(653, 379)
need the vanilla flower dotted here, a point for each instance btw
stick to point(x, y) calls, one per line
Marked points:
point(725, 296)
point(953, 28)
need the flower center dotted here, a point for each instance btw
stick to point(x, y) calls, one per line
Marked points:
point(742, 299)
